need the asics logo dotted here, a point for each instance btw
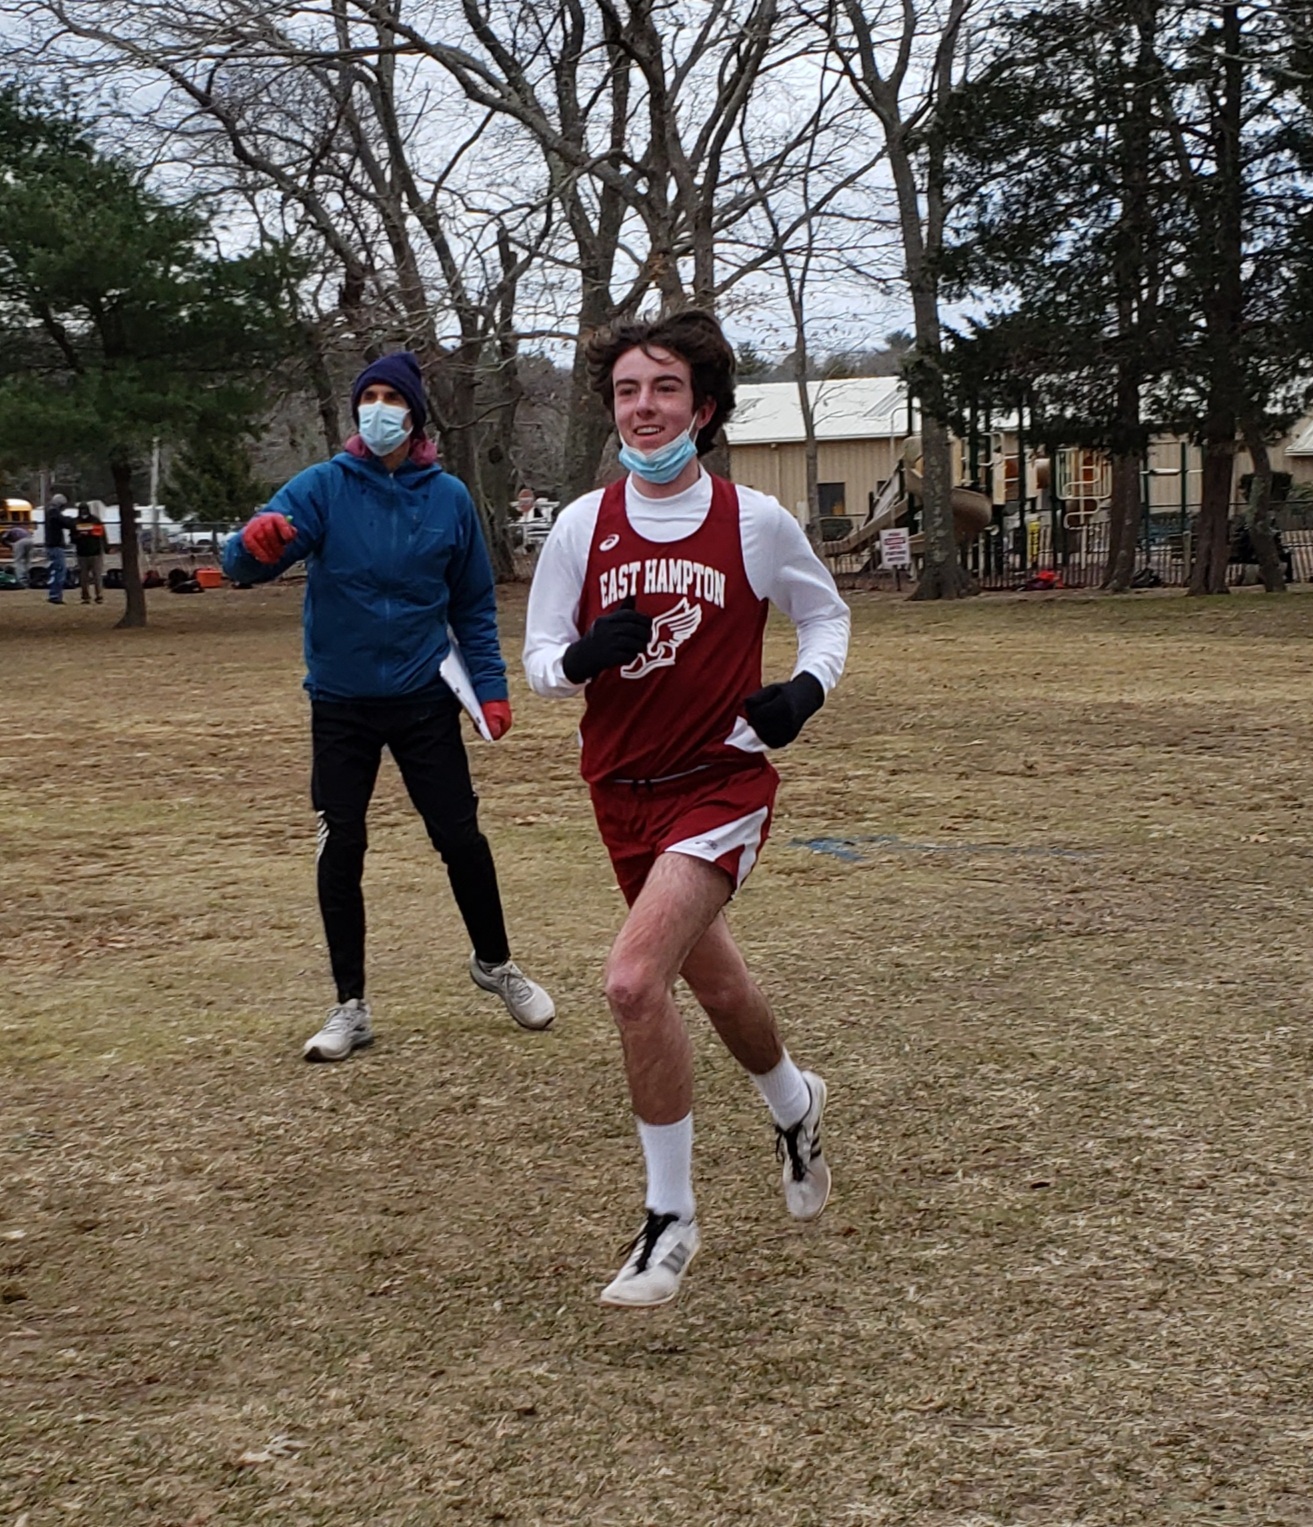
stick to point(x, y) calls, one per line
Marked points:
point(609, 544)
point(670, 630)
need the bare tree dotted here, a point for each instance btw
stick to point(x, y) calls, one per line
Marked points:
point(811, 232)
point(900, 61)
point(599, 146)
point(313, 109)
point(640, 112)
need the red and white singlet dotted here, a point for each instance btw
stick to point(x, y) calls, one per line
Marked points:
point(673, 708)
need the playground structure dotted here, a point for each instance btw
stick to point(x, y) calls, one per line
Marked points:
point(1033, 511)
point(1083, 485)
point(1046, 522)
point(972, 509)
point(1041, 512)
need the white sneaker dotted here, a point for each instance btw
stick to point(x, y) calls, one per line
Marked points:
point(525, 1000)
point(346, 1028)
point(658, 1259)
point(806, 1172)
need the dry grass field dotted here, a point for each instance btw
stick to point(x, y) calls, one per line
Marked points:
point(1038, 904)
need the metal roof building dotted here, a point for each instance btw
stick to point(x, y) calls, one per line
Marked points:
point(860, 424)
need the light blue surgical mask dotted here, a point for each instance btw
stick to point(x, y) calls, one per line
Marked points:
point(383, 427)
point(665, 463)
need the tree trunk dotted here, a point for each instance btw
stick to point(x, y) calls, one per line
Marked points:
point(500, 552)
point(943, 576)
point(1260, 512)
point(496, 480)
point(1124, 523)
point(1212, 542)
point(813, 470)
point(1223, 317)
point(704, 256)
point(456, 378)
point(497, 487)
point(811, 450)
point(587, 430)
point(326, 397)
point(587, 426)
point(1135, 316)
point(134, 612)
point(505, 392)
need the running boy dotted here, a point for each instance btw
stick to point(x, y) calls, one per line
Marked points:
point(650, 599)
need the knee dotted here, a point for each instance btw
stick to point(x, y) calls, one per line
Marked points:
point(633, 988)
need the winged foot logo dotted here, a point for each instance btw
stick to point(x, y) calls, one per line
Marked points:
point(670, 630)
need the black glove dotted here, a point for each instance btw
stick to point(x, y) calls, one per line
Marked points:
point(612, 640)
point(778, 712)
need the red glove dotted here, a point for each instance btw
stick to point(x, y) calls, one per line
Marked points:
point(267, 535)
point(497, 713)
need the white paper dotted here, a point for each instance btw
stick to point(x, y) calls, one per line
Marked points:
point(456, 676)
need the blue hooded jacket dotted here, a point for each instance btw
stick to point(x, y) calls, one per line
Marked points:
point(392, 559)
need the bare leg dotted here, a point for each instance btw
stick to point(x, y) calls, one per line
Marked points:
point(680, 901)
point(718, 977)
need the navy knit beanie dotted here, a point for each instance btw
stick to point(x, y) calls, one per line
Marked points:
point(400, 371)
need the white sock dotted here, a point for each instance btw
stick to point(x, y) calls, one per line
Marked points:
point(786, 1094)
point(668, 1152)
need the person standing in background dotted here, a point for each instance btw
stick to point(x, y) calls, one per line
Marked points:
point(396, 569)
point(21, 541)
point(57, 529)
point(89, 544)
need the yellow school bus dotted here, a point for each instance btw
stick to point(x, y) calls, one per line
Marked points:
point(14, 511)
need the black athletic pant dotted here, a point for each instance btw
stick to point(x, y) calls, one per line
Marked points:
point(348, 741)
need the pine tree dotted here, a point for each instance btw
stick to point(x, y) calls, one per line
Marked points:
point(1062, 181)
point(211, 482)
point(1130, 170)
point(1226, 108)
point(117, 326)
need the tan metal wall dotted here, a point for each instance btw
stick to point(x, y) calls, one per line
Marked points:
point(862, 465)
point(781, 470)
point(1165, 452)
point(1299, 467)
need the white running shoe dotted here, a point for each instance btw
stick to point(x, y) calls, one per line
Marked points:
point(346, 1028)
point(657, 1262)
point(525, 1000)
point(806, 1172)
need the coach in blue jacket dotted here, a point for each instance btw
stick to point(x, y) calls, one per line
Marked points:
point(394, 556)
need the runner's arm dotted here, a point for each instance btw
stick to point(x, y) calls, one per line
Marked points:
point(558, 580)
point(782, 567)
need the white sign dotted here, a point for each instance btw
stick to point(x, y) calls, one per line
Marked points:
point(896, 548)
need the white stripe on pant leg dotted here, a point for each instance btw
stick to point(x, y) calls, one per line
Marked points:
point(321, 835)
point(752, 847)
point(743, 833)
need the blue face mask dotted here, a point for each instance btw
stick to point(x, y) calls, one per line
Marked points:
point(383, 427)
point(664, 464)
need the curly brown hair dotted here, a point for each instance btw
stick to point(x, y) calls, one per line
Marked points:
point(692, 335)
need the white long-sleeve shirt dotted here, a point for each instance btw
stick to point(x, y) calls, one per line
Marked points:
point(780, 564)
